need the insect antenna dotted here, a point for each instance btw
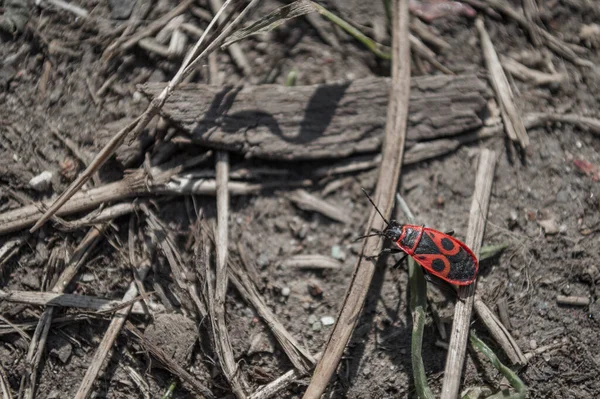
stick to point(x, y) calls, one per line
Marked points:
point(375, 206)
point(377, 233)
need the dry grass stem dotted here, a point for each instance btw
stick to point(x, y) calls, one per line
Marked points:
point(312, 262)
point(500, 333)
point(66, 300)
point(298, 355)
point(384, 196)
point(462, 311)
point(38, 342)
point(112, 332)
point(218, 295)
point(235, 50)
point(573, 300)
point(422, 50)
point(279, 384)
point(308, 202)
point(510, 115)
point(137, 126)
point(532, 76)
point(4, 385)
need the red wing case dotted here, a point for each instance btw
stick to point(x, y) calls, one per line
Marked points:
point(442, 255)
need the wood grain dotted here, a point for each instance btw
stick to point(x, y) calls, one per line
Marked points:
point(320, 121)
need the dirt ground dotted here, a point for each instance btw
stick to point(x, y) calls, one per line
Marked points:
point(544, 207)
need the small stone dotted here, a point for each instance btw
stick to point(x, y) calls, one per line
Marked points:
point(314, 288)
point(316, 326)
point(327, 320)
point(562, 229)
point(312, 319)
point(261, 343)
point(42, 181)
point(367, 372)
point(87, 278)
point(63, 351)
point(121, 9)
point(337, 253)
point(263, 260)
point(533, 344)
point(562, 196)
point(549, 225)
point(285, 291)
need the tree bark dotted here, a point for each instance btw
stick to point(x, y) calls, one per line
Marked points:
point(322, 121)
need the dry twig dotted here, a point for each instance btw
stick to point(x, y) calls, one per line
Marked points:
point(136, 127)
point(533, 76)
point(66, 300)
point(308, 202)
point(510, 115)
point(38, 341)
point(235, 50)
point(499, 331)
point(112, 332)
point(462, 312)
point(384, 197)
point(312, 262)
point(218, 294)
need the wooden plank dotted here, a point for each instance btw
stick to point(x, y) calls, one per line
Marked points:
point(321, 121)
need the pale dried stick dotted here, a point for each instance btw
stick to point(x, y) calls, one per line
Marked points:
point(217, 302)
point(279, 384)
point(125, 44)
point(66, 300)
point(308, 202)
point(298, 355)
point(131, 186)
point(387, 183)
point(4, 385)
point(182, 274)
point(466, 294)
point(136, 127)
point(110, 336)
point(499, 332)
point(510, 115)
point(40, 336)
point(235, 50)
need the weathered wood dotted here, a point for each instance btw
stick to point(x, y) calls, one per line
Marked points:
point(322, 121)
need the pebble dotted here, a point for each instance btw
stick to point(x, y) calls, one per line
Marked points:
point(285, 291)
point(312, 319)
point(562, 196)
point(533, 344)
point(327, 320)
point(263, 260)
point(42, 181)
point(316, 326)
point(337, 253)
point(314, 288)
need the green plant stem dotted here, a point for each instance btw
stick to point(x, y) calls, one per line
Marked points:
point(377, 48)
point(511, 376)
point(169, 393)
point(418, 304)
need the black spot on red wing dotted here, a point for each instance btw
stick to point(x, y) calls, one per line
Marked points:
point(421, 257)
point(438, 265)
point(447, 244)
point(462, 266)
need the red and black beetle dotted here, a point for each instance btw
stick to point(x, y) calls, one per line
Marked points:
point(439, 253)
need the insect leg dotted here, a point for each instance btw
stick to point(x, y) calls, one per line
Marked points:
point(400, 260)
point(384, 251)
